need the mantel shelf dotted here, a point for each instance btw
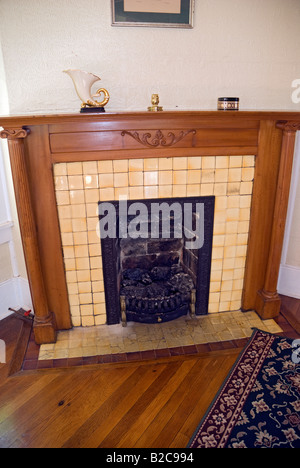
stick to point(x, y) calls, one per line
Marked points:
point(61, 116)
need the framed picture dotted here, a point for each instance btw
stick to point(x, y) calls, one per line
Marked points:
point(153, 13)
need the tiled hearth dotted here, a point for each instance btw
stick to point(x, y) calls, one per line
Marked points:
point(80, 186)
point(102, 344)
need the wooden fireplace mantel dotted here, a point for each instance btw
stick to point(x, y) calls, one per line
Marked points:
point(36, 143)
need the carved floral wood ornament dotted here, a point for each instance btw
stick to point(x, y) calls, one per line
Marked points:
point(159, 139)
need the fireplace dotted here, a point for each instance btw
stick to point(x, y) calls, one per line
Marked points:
point(157, 261)
point(63, 164)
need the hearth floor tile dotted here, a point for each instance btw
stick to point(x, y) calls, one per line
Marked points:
point(185, 333)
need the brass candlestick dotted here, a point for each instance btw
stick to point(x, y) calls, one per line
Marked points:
point(155, 101)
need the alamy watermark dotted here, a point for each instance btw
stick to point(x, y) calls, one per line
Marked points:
point(164, 220)
point(2, 352)
point(296, 93)
point(296, 352)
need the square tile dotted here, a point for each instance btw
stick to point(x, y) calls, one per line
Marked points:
point(60, 170)
point(179, 177)
point(78, 211)
point(193, 176)
point(107, 194)
point(61, 183)
point(105, 167)
point(193, 190)
point(120, 179)
point(235, 161)
point(208, 162)
point(151, 164)
point(180, 164)
point(106, 180)
point(151, 192)
point(222, 162)
point(194, 163)
point(136, 165)
point(165, 191)
point(165, 177)
point(136, 193)
point(90, 168)
point(165, 164)
point(179, 190)
point(136, 178)
point(76, 182)
point(74, 169)
point(91, 181)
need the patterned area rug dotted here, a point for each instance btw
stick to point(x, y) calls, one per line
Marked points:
point(259, 404)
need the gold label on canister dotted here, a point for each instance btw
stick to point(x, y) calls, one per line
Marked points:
point(228, 104)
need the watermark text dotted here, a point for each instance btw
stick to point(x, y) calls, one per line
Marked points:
point(296, 93)
point(296, 352)
point(160, 220)
point(2, 352)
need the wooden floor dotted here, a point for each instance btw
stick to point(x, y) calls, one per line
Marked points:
point(290, 309)
point(155, 404)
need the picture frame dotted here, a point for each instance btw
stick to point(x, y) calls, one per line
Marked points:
point(153, 13)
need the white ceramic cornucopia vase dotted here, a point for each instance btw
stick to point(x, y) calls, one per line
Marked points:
point(83, 82)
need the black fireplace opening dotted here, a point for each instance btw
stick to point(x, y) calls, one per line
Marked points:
point(156, 257)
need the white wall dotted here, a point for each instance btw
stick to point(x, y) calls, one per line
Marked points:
point(245, 48)
point(289, 277)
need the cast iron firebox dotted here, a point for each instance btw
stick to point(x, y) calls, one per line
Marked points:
point(155, 276)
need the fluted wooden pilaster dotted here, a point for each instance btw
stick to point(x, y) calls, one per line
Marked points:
point(268, 301)
point(44, 323)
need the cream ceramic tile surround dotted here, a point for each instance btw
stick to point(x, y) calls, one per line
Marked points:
point(80, 186)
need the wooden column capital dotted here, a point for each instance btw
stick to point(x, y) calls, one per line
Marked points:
point(44, 322)
point(288, 125)
point(14, 133)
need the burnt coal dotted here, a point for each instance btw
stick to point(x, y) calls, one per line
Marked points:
point(160, 273)
point(162, 290)
point(181, 282)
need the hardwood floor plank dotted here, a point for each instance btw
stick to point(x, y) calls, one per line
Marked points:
point(127, 424)
point(35, 413)
point(153, 436)
point(18, 390)
point(154, 404)
point(217, 371)
point(80, 403)
point(20, 349)
point(84, 436)
point(165, 426)
point(10, 329)
point(119, 409)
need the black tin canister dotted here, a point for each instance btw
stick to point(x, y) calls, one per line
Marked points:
point(228, 103)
